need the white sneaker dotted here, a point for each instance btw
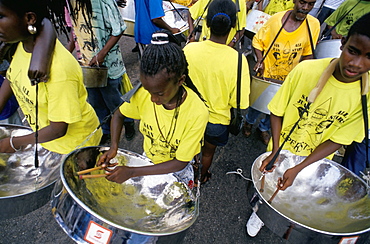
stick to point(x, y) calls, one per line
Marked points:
point(254, 225)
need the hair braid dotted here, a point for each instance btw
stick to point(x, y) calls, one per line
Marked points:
point(168, 56)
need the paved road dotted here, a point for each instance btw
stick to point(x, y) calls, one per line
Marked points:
point(224, 207)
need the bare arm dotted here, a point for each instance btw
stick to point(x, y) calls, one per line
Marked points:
point(42, 52)
point(100, 56)
point(307, 57)
point(5, 93)
point(237, 36)
point(162, 24)
point(259, 67)
point(334, 34)
point(122, 173)
point(323, 150)
point(71, 44)
point(116, 126)
point(191, 36)
point(276, 124)
point(51, 132)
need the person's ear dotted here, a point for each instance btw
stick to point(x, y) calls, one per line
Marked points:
point(343, 41)
point(181, 80)
point(31, 18)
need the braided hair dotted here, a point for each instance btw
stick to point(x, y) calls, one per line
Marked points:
point(221, 17)
point(165, 54)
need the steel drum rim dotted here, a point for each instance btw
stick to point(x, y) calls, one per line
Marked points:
point(294, 221)
point(90, 211)
point(32, 192)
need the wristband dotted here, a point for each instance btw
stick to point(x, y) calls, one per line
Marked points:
point(11, 144)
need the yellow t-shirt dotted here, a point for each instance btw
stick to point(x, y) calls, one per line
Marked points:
point(336, 114)
point(181, 137)
point(288, 48)
point(61, 99)
point(276, 6)
point(197, 10)
point(213, 70)
point(182, 2)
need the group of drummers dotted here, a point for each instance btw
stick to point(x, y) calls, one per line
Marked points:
point(186, 94)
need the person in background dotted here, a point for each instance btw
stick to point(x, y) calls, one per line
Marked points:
point(291, 46)
point(148, 19)
point(332, 120)
point(98, 26)
point(276, 6)
point(351, 15)
point(65, 119)
point(213, 69)
point(328, 8)
point(199, 10)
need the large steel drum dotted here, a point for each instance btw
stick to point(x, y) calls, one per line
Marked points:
point(262, 91)
point(23, 188)
point(328, 49)
point(326, 203)
point(154, 209)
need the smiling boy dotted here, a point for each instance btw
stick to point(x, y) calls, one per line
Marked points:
point(338, 105)
point(333, 119)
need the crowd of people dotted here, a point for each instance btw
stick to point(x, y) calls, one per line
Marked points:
point(186, 94)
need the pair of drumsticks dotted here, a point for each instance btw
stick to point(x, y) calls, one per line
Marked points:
point(263, 187)
point(82, 173)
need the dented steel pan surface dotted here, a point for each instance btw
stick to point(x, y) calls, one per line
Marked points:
point(152, 206)
point(24, 188)
point(324, 198)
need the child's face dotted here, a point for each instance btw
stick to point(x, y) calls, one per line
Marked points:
point(355, 58)
point(162, 87)
point(12, 27)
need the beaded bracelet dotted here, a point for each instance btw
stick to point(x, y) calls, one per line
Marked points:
point(12, 145)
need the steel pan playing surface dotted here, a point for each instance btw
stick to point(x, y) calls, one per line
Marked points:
point(325, 196)
point(23, 188)
point(149, 205)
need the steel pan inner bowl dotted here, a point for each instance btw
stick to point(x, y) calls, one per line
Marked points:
point(150, 205)
point(18, 175)
point(325, 196)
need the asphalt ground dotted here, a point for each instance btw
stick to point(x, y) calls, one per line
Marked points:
point(224, 205)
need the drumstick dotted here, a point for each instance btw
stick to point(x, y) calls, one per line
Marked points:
point(273, 196)
point(262, 184)
point(89, 170)
point(91, 176)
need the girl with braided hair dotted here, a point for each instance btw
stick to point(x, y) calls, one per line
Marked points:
point(172, 115)
point(56, 108)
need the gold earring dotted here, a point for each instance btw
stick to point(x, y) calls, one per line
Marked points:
point(32, 29)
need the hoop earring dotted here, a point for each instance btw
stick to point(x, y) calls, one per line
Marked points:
point(32, 29)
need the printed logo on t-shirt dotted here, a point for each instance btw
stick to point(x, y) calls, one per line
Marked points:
point(313, 124)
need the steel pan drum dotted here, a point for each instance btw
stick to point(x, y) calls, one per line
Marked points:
point(262, 91)
point(255, 20)
point(328, 49)
point(23, 188)
point(159, 206)
point(325, 198)
point(128, 15)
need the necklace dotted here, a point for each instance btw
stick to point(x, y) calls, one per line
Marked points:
point(171, 131)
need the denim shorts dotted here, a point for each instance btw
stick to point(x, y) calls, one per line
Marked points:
point(217, 134)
